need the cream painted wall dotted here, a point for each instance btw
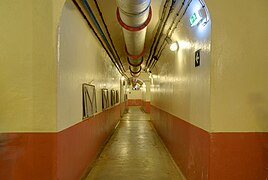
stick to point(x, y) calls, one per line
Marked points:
point(178, 87)
point(81, 60)
point(146, 92)
point(229, 91)
point(239, 99)
point(28, 68)
point(146, 88)
point(134, 94)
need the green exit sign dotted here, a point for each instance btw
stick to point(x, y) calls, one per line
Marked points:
point(195, 19)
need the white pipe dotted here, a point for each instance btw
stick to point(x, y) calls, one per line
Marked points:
point(135, 69)
point(134, 16)
point(134, 41)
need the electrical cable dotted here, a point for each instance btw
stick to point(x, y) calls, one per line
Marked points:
point(163, 45)
point(169, 35)
point(93, 17)
point(202, 3)
point(165, 21)
point(175, 18)
point(176, 26)
point(152, 66)
point(158, 29)
point(162, 29)
point(96, 34)
point(161, 50)
point(109, 35)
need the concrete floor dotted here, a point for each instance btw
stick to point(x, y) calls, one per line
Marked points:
point(134, 152)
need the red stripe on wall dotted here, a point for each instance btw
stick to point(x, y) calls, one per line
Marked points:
point(79, 145)
point(134, 102)
point(203, 155)
point(146, 106)
point(64, 155)
point(239, 156)
point(28, 156)
point(188, 145)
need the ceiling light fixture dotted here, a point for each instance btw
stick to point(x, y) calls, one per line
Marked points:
point(174, 45)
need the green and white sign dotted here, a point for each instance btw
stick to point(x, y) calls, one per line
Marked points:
point(195, 19)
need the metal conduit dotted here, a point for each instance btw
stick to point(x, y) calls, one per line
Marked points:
point(161, 31)
point(95, 21)
point(99, 39)
point(134, 16)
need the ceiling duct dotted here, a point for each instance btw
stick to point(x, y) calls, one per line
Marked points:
point(134, 16)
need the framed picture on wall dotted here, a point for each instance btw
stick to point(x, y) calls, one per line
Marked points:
point(113, 98)
point(89, 103)
point(105, 98)
point(117, 96)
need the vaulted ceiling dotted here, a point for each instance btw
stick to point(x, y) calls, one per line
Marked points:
point(106, 10)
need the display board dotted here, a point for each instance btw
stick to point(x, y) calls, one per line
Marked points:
point(89, 100)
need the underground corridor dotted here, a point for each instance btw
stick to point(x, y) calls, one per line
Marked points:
point(133, 89)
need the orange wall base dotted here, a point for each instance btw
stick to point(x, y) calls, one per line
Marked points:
point(64, 155)
point(146, 106)
point(203, 155)
point(79, 145)
point(239, 156)
point(188, 144)
point(134, 102)
point(28, 156)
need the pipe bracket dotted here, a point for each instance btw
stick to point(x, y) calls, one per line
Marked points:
point(129, 28)
point(135, 72)
point(134, 75)
point(135, 56)
point(133, 64)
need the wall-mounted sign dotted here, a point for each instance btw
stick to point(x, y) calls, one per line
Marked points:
point(197, 58)
point(198, 17)
point(89, 102)
point(195, 19)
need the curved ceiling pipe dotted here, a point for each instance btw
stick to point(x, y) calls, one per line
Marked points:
point(134, 16)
